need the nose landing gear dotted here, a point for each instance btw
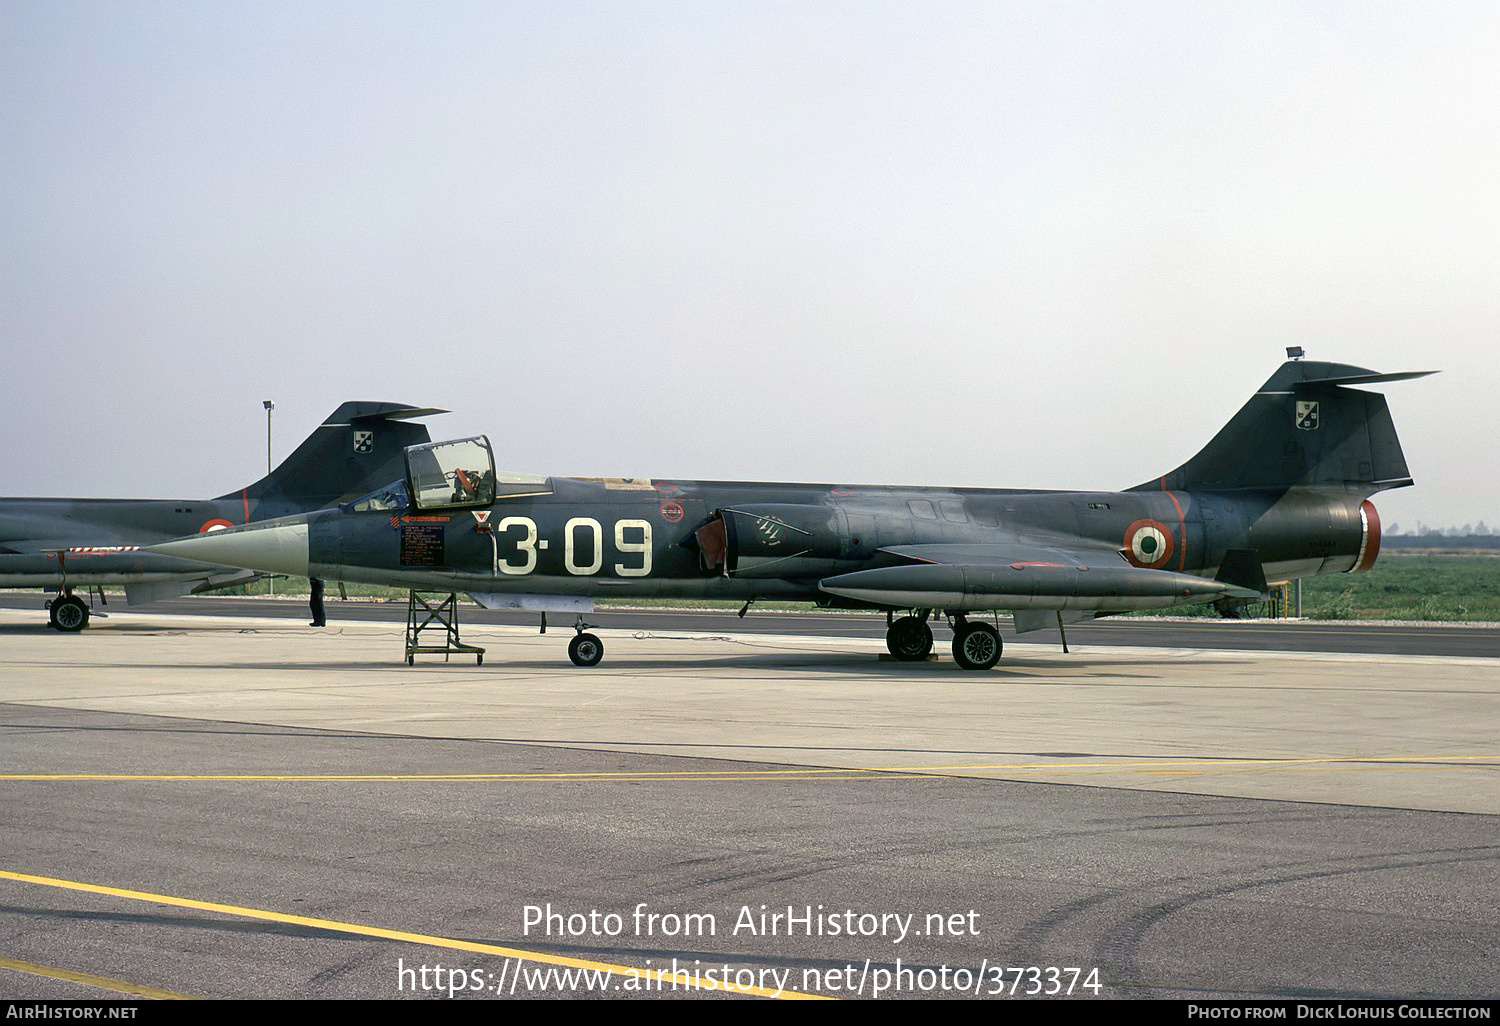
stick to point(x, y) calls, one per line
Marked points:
point(585, 649)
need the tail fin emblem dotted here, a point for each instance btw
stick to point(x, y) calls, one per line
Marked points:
point(1307, 416)
point(364, 441)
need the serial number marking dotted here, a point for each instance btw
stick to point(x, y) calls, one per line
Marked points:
point(583, 539)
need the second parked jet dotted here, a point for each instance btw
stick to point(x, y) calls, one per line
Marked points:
point(72, 546)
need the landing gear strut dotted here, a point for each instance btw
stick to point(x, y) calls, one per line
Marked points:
point(909, 639)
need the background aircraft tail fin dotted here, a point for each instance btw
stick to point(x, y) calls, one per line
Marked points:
point(356, 450)
point(1307, 428)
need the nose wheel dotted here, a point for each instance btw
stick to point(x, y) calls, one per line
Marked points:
point(585, 649)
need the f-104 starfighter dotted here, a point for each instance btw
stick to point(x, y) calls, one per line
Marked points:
point(1281, 492)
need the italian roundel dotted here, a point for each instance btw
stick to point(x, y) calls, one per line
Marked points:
point(1148, 543)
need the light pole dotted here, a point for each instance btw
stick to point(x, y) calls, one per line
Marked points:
point(270, 405)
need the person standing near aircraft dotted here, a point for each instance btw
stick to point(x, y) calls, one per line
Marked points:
point(315, 603)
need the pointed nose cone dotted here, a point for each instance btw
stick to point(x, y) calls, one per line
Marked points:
point(276, 547)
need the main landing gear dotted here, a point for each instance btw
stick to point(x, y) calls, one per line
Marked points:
point(68, 613)
point(909, 639)
point(976, 646)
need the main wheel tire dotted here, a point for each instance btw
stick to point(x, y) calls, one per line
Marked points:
point(586, 650)
point(909, 639)
point(976, 646)
point(70, 614)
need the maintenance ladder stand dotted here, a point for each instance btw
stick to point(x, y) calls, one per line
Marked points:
point(443, 615)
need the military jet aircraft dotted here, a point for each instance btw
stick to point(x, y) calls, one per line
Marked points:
point(68, 544)
point(1281, 492)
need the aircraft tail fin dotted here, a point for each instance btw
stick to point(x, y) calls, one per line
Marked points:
point(356, 450)
point(1304, 428)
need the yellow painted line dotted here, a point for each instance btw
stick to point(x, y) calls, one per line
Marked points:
point(873, 773)
point(801, 773)
point(1351, 768)
point(660, 977)
point(89, 980)
point(1434, 760)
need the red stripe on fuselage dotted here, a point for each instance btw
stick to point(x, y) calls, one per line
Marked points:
point(1181, 532)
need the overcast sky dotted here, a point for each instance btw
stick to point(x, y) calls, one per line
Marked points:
point(1046, 245)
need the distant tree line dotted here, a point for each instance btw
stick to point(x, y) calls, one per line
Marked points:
point(1476, 536)
point(1480, 529)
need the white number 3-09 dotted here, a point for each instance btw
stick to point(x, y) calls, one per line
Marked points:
point(626, 543)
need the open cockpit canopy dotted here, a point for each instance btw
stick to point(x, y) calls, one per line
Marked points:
point(460, 474)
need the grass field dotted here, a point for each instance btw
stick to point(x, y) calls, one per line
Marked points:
point(1402, 586)
point(1410, 586)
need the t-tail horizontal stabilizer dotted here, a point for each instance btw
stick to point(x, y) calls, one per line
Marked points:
point(1304, 428)
point(358, 448)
